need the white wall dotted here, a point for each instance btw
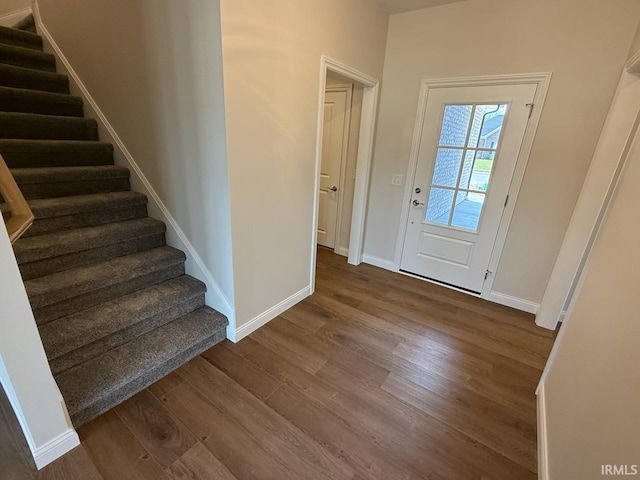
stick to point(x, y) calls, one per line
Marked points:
point(583, 42)
point(272, 54)
point(24, 369)
point(154, 68)
point(592, 388)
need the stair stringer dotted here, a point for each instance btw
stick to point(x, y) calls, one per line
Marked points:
point(175, 236)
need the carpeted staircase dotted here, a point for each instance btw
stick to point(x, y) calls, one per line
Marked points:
point(114, 307)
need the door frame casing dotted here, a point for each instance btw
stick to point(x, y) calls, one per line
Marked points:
point(542, 80)
point(364, 159)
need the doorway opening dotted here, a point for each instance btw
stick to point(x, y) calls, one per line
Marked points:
point(346, 118)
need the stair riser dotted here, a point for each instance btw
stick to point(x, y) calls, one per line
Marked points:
point(79, 158)
point(22, 104)
point(149, 377)
point(62, 263)
point(68, 189)
point(54, 129)
point(33, 80)
point(28, 61)
point(89, 219)
point(80, 355)
point(46, 311)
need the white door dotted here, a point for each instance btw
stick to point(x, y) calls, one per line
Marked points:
point(333, 152)
point(469, 146)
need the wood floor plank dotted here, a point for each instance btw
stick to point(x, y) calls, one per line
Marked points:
point(116, 452)
point(223, 437)
point(245, 373)
point(198, 463)
point(75, 465)
point(276, 435)
point(166, 384)
point(165, 438)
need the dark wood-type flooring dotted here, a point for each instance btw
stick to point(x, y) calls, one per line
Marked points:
point(376, 376)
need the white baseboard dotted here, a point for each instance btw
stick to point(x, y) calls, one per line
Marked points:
point(56, 448)
point(344, 251)
point(11, 18)
point(378, 262)
point(543, 446)
point(513, 302)
point(176, 237)
point(265, 317)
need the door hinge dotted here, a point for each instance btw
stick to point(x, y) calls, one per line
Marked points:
point(530, 105)
point(506, 200)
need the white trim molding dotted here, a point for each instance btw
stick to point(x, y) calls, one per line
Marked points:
point(513, 302)
point(364, 159)
point(176, 237)
point(268, 315)
point(543, 445)
point(55, 448)
point(379, 262)
point(11, 18)
point(542, 80)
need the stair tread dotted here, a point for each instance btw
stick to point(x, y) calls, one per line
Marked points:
point(55, 81)
point(49, 174)
point(93, 384)
point(82, 328)
point(14, 33)
point(26, 22)
point(27, 94)
point(65, 285)
point(62, 206)
point(50, 245)
point(11, 53)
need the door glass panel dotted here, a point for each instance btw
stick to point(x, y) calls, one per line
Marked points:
point(440, 203)
point(455, 124)
point(470, 132)
point(447, 167)
point(467, 210)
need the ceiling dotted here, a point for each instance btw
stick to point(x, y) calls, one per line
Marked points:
point(399, 6)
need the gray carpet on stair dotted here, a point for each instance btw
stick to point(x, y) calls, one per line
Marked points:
point(113, 305)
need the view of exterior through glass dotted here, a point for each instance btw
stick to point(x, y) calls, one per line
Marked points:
point(469, 139)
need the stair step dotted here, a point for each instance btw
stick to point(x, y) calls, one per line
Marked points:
point(46, 127)
point(27, 78)
point(27, 58)
point(102, 383)
point(55, 153)
point(14, 36)
point(19, 100)
point(55, 182)
point(79, 337)
point(26, 23)
point(67, 292)
point(67, 213)
point(56, 252)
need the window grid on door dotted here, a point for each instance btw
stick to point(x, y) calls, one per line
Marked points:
point(469, 139)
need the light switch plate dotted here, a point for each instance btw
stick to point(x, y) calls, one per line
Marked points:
point(396, 180)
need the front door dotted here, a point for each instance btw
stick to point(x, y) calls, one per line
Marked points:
point(469, 147)
point(333, 153)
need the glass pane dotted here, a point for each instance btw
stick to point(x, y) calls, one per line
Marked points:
point(467, 210)
point(439, 207)
point(455, 124)
point(467, 168)
point(447, 167)
point(487, 126)
point(481, 171)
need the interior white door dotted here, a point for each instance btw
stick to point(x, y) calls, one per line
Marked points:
point(469, 146)
point(333, 152)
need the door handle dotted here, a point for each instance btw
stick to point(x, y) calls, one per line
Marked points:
point(333, 189)
point(416, 203)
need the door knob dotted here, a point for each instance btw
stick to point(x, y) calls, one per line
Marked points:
point(333, 189)
point(416, 203)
